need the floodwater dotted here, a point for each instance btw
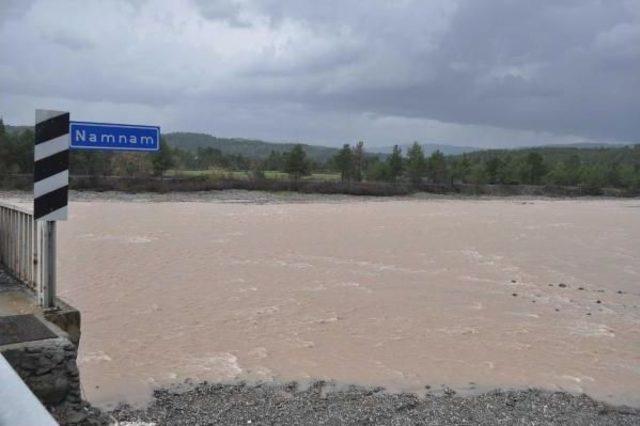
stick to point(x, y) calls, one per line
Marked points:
point(399, 293)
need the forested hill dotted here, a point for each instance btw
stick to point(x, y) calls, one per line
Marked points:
point(259, 150)
point(16, 129)
point(253, 149)
point(592, 168)
point(616, 167)
point(606, 155)
point(430, 148)
point(249, 148)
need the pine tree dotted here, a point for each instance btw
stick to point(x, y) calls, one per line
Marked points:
point(359, 161)
point(536, 166)
point(163, 160)
point(461, 169)
point(416, 163)
point(437, 167)
point(395, 163)
point(494, 170)
point(296, 164)
point(344, 162)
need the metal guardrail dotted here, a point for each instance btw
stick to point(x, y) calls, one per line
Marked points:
point(18, 405)
point(17, 242)
point(28, 251)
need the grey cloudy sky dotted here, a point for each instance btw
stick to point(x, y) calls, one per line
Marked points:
point(467, 72)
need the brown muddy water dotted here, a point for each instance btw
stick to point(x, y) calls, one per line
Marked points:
point(398, 293)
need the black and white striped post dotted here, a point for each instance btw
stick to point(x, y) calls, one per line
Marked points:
point(50, 193)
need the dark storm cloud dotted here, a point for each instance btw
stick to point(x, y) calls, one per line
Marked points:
point(540, 66)
point(560, 66)
point(13, 9)
point(524, 72)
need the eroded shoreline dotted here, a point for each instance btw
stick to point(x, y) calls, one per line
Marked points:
point(285, 197)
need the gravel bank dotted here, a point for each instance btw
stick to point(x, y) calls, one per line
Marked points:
point(321, 404)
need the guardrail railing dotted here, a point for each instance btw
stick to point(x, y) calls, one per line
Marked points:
point(16, 240)
point(28, 251)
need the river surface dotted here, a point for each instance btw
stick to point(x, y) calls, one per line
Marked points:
point(471, 294)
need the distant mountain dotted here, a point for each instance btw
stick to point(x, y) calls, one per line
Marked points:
point(258, 149)
point(250, 148)
point(605, 155)
point(429, 148)
point(582, 145)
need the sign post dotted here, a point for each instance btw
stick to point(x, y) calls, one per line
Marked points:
point(54, 136)
point(51, 167)
point(50, 193)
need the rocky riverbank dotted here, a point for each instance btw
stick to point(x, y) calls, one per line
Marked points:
point(320, 403)
point(265, 197)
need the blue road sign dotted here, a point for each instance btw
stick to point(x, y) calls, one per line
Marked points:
point(119, 137)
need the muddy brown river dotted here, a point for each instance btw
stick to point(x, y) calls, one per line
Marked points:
point(471, 294)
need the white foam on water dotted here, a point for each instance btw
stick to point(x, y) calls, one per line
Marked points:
point(459, 331)
point(590, 329)
point(223, 365)
point(92, 357)
point(123, 239)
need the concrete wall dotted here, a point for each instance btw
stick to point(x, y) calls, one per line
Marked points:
point(49, 369)
point(48, 366)
point(67, 318)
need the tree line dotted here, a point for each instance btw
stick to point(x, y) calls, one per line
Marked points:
point(617, 167)
point(589, 168)
point(16, 157)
